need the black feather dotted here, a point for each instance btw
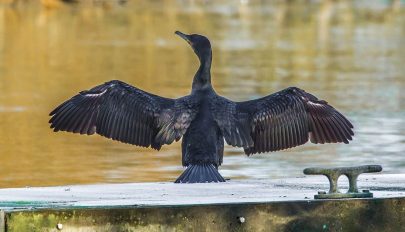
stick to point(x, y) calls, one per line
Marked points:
point(119, 111)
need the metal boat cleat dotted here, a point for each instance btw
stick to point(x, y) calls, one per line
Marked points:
point(333, 175)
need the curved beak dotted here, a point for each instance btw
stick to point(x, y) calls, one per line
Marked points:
point(183, 36)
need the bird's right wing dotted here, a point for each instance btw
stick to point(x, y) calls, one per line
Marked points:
point(125, 113)
point(279, 121)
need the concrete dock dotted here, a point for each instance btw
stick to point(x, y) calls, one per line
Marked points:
point(243, 205)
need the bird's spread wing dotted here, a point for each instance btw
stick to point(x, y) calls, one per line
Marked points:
point(122, 112)
point(281, 120)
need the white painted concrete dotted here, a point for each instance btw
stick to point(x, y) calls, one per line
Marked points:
point(152, 194)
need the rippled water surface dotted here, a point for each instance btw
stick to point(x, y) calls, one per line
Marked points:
point(351, 54)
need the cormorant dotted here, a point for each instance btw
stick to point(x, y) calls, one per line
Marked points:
point(204, 119)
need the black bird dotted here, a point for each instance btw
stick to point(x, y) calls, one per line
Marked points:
point(204, 119)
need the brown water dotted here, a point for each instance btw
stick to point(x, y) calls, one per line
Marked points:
point(349, 53)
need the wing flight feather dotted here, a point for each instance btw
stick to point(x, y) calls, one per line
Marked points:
point(125, 113)
point(279, 121)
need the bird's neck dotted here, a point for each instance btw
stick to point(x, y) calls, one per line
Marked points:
point(202, 78)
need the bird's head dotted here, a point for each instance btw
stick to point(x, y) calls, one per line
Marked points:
point(200, 44)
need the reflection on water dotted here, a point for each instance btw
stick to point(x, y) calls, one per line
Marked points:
point(349, 53)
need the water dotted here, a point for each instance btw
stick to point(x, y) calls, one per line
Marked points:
point(350, 53)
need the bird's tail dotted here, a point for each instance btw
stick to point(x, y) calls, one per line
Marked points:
point(200, 173)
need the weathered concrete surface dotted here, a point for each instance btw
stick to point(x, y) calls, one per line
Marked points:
point(152, 194)
point(266, 205)
point(352, 215)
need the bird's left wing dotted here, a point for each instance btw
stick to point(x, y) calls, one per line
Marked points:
point(125, 113)
point(279, 121)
